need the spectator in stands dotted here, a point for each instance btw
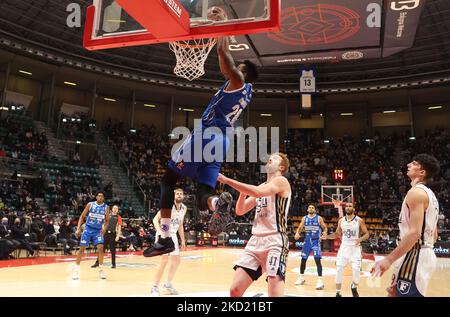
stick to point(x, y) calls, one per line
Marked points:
point(19, 234)
point(9, 245)
point(129, 237)
point(50, 233)
point(37, 229)
point(66, 237)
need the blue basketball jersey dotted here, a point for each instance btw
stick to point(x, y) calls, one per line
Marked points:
point(96, 215)
point(312, 227)
point(226, 106)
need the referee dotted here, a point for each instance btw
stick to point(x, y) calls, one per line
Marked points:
point(112, 235)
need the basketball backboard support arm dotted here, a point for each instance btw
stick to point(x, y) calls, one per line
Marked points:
point(144, 37)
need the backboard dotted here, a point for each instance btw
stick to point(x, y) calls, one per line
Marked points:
point(119, 23)
point(337, 192)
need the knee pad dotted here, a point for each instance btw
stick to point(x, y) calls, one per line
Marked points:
point(203, 193)
point(339, 274)
point(168, 183)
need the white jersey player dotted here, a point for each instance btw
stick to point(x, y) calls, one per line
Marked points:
point(414, 259)
point(267, 250)
point(176, 225)
point(350, 227)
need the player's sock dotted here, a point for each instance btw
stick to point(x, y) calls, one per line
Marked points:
point(165, 227)
point(214, 201)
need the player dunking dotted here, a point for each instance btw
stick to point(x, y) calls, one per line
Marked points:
point(349, 227)
point(222, 112)
point(267, 250)
point(414, 258)
point(178, 212)
point(316, 231)
point(97, 213)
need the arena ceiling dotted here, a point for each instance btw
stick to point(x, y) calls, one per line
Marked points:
point(42, 24)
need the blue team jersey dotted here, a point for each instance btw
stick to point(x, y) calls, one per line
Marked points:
point(226, 106)
point(312, 227)
point(96, 215)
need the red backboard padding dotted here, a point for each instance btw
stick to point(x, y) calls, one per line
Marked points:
point(163, 18)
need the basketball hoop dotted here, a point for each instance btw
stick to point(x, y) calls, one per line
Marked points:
point(191, 56)
point(337, 203)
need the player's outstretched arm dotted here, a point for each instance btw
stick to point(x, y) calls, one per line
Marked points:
point(417, 200)
point(80, 221)
point(338, 232)
point(277, 185)
point(227, 65)
point(244, 204)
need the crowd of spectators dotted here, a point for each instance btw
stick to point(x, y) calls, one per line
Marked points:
point(20, 140)
point(77, 126)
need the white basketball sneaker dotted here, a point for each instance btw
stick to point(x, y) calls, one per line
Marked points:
point(320, 285)
point(169, 290)
point(300, 281)
point(76, 273)
point(154, 291)
point(102, 274)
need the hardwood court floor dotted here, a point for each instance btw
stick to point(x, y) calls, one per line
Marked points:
point(202, 272)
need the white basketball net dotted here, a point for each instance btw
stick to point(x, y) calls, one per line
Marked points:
point(191, 56)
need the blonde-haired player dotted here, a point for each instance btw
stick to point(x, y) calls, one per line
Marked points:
point(350, 228)
point(176, 225)
point(267, 250)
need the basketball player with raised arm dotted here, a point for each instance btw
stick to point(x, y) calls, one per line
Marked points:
point(316, 231)
point(267, 250)
point(176, 225)
point(350, 227)
point(97, 213)
point(414, 259)
point(221, 113)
